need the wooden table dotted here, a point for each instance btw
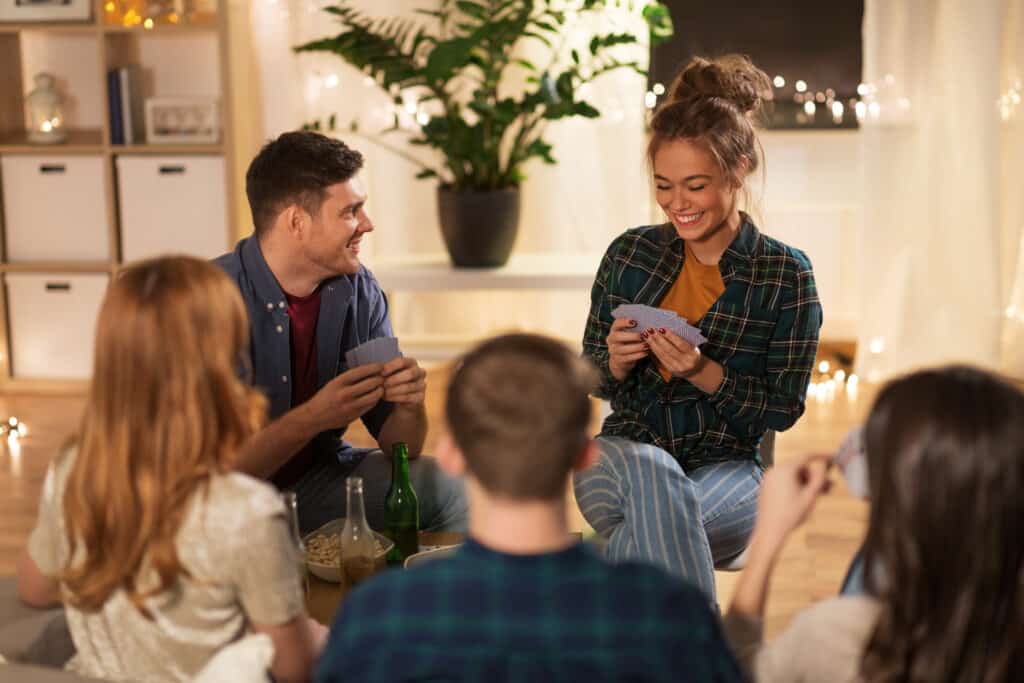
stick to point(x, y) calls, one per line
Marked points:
point(325, 596)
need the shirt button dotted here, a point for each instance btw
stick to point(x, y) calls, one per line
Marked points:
point(284, 379)
point(270, 306)
point(280, 305)
point(280, 329)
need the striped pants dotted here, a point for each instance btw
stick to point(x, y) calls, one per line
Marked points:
point(639, 499)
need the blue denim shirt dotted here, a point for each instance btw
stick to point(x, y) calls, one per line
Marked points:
point(353, 310)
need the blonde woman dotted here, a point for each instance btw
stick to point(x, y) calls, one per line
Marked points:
point(161, 554)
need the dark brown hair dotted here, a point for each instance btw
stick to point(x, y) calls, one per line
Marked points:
point(945, 544)
point(518, 408)
point(296, 168)
point(712, 102)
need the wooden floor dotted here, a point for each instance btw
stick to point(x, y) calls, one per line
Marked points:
point(811, 568)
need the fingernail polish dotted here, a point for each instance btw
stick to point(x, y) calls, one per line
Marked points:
point(661, 329)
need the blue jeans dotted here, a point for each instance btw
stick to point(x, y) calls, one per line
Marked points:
point(638, 498)
point(321, 492)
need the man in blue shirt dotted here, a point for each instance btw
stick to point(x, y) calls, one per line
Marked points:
point(310, 300)
point(522, 599)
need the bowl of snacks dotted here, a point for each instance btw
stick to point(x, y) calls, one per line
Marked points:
point(323, 550)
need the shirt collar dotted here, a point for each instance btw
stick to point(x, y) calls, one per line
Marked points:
point(739, 253)
point(264, 283)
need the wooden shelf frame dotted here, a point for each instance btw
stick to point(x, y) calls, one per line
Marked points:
point(116, 46)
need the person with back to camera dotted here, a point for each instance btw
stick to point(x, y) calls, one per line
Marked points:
point(944, 556)
point(677, 479)
point(523, 599)
point(164, 557)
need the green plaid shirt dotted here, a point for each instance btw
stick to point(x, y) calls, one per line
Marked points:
point(481, 615)
point(763, 331)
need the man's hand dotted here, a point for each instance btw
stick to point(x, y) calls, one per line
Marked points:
point(625, 348)
point(347, 397)
point(405, 382)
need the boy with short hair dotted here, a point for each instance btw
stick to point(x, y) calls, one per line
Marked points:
point(523, 599)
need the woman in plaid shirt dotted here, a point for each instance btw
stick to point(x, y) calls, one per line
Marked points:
point(679, 472)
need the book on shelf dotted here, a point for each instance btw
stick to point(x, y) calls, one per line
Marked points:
point(127, 122)
point(132, 112)
point(114, 107)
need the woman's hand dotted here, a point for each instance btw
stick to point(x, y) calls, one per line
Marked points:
point(673, 352)
point(625, 348)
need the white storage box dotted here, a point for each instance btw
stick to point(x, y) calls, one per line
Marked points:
point(173, 205)
point(55, 208)
point(53, 323)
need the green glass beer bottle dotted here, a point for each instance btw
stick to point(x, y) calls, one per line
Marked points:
point(401, 508)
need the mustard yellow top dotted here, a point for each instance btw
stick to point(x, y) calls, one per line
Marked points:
point(693, 293)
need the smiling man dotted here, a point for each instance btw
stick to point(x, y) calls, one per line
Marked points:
point(310, 300)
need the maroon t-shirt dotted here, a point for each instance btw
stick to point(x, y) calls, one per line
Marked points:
point(303, 313)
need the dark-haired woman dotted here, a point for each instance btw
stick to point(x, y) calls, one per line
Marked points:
point(677, 480)
point(945, 453)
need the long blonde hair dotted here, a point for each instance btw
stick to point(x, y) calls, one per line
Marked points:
point(166, 410)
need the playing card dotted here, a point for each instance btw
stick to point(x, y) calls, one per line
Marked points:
point(379, 350)
point(648, 316)
point(853, 462)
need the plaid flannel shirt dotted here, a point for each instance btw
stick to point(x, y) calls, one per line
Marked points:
point(763, 331)
point(481, 615)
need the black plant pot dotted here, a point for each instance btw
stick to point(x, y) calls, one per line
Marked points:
point(479, 228)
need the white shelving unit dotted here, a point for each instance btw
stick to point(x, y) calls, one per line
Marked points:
point(77, 211)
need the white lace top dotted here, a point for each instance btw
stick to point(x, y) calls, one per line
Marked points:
point(236, 545)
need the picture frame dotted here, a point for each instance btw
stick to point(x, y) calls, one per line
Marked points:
point(182, 120)
point(45, 10)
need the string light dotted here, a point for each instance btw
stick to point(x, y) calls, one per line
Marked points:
point(877, 345)
point(810, 107)
point(650, 100)
point(801, 86)
point(823, 366)
point(657, 89)
point(780, 82)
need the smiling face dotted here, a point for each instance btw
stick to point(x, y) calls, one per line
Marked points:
point(336, 231)
point(695, 195)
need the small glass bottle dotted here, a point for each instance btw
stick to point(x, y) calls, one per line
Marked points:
point(291, 504)
point(401, 508)
point(45, 109)
point(358, 548)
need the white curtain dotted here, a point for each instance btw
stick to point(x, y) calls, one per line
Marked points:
point(943, 151)
point(598, 189)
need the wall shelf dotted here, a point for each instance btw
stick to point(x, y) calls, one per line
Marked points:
point(173, 60)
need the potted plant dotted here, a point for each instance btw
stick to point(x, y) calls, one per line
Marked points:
point(484, 134)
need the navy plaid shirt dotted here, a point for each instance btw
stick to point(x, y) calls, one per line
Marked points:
point(481, 615)
point(763, 331)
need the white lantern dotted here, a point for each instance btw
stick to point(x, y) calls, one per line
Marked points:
point(45, 110)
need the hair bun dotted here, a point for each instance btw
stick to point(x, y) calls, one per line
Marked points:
point(732, 77)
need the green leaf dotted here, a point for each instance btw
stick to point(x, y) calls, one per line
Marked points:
point(575, 56)
point(659, 22)
point(426, 173)
point(537, 36)
point(446, 57)
point(526, 64)
point(473, 9)
point(586, 110)
point(332, 122)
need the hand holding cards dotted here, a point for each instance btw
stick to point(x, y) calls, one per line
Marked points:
point(649, 317)
point(404, 380)
point(379, 350)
